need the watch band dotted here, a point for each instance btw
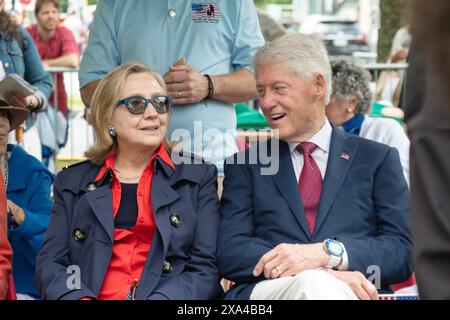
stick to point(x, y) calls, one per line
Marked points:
point(334, 262)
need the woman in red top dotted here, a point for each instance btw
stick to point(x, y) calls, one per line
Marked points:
point(132, 222)
point(5, 248)
point(15, 116)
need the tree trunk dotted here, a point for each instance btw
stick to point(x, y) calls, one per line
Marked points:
point(394, 15)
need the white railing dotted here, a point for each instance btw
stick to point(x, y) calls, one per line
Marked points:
point(80, 133)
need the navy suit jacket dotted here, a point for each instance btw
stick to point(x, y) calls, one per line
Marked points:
point(364, 204)
point(186, 251)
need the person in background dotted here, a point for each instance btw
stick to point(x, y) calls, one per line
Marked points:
point(206, 63)
point(427, 115)
point(400, 45)
point(57, 48)
point(5, 247)
point(389, 85)
point(335, 206)
point(350, 100)
point(28, 185)
point(138, 224)
point(270, 28)
point(10, 118)
point(22, 58)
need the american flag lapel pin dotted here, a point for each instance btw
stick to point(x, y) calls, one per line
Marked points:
point(345, 156)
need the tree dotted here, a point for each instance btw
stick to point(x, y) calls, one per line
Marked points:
point(394, 15)
point(63, 4)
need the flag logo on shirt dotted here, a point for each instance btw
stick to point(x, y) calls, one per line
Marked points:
point(345, 156)
point(205, 12)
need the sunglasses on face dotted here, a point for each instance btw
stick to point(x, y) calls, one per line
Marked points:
point(138, 105)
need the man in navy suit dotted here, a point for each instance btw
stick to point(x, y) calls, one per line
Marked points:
point(334, 215)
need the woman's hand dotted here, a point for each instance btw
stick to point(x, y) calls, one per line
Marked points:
point(17, 212)
point(31, 102)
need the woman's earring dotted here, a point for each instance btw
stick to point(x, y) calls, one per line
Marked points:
point(349, 110)
point(112, 131)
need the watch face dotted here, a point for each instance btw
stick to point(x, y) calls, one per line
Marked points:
point(334, 248)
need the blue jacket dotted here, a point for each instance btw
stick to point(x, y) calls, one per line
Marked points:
point(29, 184)
point(25, 62)
point(181, 263)
point(364, 204)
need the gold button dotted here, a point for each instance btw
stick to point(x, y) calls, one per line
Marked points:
point(172, 13)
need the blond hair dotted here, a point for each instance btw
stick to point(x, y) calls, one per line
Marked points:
point(104, 103)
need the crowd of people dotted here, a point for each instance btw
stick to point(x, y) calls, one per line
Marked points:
point(164, 207)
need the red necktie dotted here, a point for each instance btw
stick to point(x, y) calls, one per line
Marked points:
point(310, 184)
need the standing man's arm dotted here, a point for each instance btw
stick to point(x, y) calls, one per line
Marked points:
point(187, 85)
point(87, 92)
point(101, 54)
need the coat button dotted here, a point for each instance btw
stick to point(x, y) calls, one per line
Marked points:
point(172, 13)
point(167, 267)
point(79, 235)
point(175, 220)
point(6, 64)
point(91, 187)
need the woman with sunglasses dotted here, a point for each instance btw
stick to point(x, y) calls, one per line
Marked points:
point(132, 222)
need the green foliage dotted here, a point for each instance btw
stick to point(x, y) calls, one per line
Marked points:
point(92, 2)
point(64, 4)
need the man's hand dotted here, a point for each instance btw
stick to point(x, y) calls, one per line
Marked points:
point(185, 84)
point(290, 259)
point(17, 212)
point(362, 287)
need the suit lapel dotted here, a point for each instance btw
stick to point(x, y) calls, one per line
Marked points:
point(288, 186)
point(100, 201)
point(342, 153)
point(163, 195)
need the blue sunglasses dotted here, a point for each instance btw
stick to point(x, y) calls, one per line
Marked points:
point(138, 105)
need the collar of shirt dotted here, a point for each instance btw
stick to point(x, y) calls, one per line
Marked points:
point(353, 125)
point(322, 139)
point(161, 152)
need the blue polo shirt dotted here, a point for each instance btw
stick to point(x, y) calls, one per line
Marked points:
point(216, 43)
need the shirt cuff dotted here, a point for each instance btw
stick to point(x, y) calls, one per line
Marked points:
point(344, 264)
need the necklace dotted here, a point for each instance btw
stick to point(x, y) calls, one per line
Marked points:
point(126, 178)
point(4, 167)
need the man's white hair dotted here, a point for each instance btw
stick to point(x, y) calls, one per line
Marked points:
point(304, 54)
